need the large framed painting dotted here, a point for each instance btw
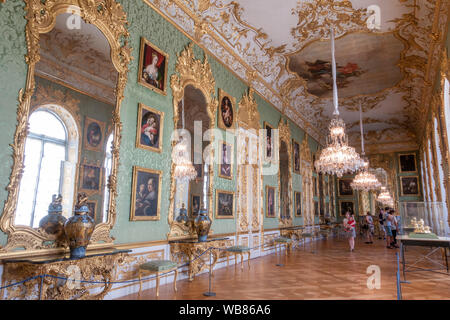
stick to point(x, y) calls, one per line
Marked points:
point(407, 162)
point(346, 205)
point(345, 188)
point(269, 143)
point(224, 204)
point(226, 110)
point(270, 202)
point(296, 148)
point(91, 178)
point(152, 71)
point(409, 185)
point(145, 194)
point(149, 129)
point(195, 203)
point(92, 205)
point(94, 132)
point(199, 169)
point(225, 165)
point(298, 203)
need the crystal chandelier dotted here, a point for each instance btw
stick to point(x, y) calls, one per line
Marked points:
point(364, 180)
point(184, 170)
point(338, 157)
point(385, 198)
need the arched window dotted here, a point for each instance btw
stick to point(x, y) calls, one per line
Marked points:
point(108, 167)
point(46, 150)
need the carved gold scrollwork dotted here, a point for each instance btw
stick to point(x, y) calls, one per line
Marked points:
point(285, 136)
point(109, 17)
point(191, 71)
point(306, 170)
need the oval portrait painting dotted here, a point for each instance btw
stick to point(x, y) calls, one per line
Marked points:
point(94, 134)
point(226, 112)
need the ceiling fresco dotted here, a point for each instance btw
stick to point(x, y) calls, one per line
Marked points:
point(387, 53)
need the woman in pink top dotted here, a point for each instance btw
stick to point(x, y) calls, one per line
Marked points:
point(349, 227)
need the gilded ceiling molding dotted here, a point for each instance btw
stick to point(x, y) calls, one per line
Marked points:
point(190, 71)
point(317, 17)
point(110, 18)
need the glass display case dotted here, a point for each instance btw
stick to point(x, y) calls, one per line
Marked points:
point(423, 219)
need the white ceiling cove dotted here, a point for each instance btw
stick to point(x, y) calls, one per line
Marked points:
point(282, 49)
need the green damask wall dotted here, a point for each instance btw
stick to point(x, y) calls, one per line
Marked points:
point(145, 22)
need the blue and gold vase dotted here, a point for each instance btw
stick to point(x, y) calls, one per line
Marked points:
point(53, 222)
point(182, 216)
point(79, 228)
point(202, 225)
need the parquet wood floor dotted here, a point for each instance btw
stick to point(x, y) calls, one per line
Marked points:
point(331, 272)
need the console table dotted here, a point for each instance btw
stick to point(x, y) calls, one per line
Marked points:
point(98, 266)
point(190, 249)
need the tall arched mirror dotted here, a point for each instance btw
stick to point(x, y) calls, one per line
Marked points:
point(194, 111)
point(76, 77)
point(284, 174)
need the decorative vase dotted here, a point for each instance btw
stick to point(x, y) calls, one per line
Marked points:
point(182, 217)
point(202, 224)
point(79, 228)
point(53, 222)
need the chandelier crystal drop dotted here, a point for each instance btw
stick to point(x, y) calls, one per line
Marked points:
point(338, 157)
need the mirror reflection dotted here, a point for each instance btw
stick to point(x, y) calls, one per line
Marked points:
point(284, 181)
point(68, 146)
point(194, 118)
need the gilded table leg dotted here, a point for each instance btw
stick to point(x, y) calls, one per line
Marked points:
point(248, 260)
point(140, 283)
point(242, 261)
point(228, 259)
point(157, 284)
point(175, 280)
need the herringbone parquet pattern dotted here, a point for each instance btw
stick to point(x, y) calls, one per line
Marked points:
point(331, 272)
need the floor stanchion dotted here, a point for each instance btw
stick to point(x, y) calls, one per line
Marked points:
point(209, 293)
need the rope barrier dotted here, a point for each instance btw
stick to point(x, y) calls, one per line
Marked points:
point(116, 282)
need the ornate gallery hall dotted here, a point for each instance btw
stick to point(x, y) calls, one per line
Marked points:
point(206, 150)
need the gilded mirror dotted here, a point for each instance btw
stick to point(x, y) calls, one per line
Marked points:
point(68, 132)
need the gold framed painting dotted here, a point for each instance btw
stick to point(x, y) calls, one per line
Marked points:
point(224, 204)
point(225, 163)
point(194, 204)
point(407, 162)
point(345, 205)
point(270, 202)
point(149, 128)
point(92, 205)
point(298, 203)
point(94, 134)
point(296, 149)
point(345, 188)
point(268, 142)
point(145, 194)
point(226, 110)
point(409, 186)
point(90, 178)
point(152, 72)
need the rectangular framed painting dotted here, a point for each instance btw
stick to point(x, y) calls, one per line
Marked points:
point(407, 162)
point(145, 194)
point(296, 149)
point(316, 208)
point(199, 169)
point(315, 186)
point(149, 128)
point(94, 132)
point(269, 143)
point(92, 205)
point(91, 178)
point(344, 187)
point(410, 186)
point(298, 203)
point(194, 206)
point(226, 110)
point(346, 205)
point(152, 72)
point(224, 204)
point(270, 202)
point(225, 163)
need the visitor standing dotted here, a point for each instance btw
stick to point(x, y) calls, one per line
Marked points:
point(381, 224)
point(394, 228)
point(349, 227)
point(369, 228)
point(388, 229)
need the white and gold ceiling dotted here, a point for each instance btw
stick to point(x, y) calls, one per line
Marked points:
point(282, 48)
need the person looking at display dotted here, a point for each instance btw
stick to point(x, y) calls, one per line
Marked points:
point(349, 227)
